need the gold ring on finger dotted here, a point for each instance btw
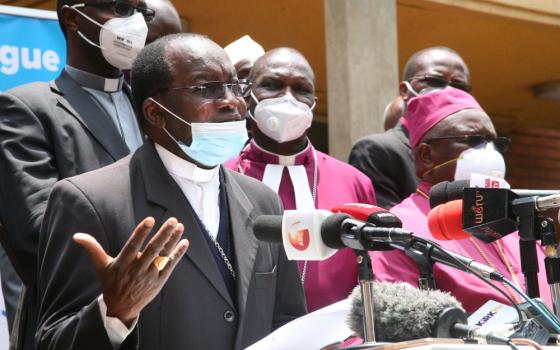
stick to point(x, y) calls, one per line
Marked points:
point(160, 262)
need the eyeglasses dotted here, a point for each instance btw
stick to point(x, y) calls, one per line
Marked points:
point(215, 90)
point(501, 143)
point(122, 8)
point(439, 82)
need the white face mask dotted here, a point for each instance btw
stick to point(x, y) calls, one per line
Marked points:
point(483, 159)
point(282, 118)
point(120, 39)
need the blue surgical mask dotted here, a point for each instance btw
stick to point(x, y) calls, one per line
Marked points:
point(212, 143)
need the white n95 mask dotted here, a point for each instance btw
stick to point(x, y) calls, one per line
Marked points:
point(120, 39)
point(483, 159)
point(282, 118)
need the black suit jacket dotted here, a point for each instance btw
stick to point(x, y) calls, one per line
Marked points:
point(386, 159)
point(48, 131)
point(189, 313)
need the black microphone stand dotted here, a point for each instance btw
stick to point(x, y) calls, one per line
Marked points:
point(551, 261)
point(528, 224)
point(425, 267)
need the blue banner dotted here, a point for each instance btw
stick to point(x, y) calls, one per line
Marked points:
point(31, 49)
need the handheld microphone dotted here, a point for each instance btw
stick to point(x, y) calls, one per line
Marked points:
point(446, 191)
point(372, 214)
point(403, 312)
point(317, 234)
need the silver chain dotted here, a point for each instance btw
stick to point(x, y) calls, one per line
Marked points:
point(224, 257)
point(314, 195)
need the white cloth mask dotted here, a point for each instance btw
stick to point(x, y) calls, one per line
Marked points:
point(483, 159)
point(282, 118)
point(120, 39)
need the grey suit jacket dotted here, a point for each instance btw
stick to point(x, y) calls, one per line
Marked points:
point(386, 159)
point(191, 310)
point(48, 131)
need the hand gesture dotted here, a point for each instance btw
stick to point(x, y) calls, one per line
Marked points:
point(134, 277)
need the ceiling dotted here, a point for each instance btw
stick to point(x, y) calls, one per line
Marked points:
point(506, 56)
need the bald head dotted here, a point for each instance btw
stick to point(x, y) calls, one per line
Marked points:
point(278, 73)
point(393, 112)
point(284, 58)
point(173, 57)
point(432, 56)
point(434, 67)
point(166, 20)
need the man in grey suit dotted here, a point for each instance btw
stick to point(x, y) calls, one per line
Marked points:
point(81, 121)
point(386, 158)
point(229, 290)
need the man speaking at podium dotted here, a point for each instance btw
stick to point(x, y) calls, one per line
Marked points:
point(452, 137)
point(138, 290)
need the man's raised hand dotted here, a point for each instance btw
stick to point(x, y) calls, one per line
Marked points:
point(131, 280)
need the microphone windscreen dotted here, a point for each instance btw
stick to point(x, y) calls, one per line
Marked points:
point(446, 221)
point(331, 229)
point(268, 228)
point(446, 191)
point(401, 312)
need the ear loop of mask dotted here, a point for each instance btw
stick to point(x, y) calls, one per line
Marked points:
point(441, 165)
point(89, 19)
point(257, 101)
point(176, 116)
point(410, 88)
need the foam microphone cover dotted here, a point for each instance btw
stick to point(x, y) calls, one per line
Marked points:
point(268, 228)
point(402, 312)
point(446, 221)
point(446, 191)
point(331, 230)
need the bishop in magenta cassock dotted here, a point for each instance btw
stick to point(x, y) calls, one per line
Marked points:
point(281, 156)
point(440, 124)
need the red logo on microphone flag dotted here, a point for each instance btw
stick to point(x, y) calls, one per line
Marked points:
point(298, 235)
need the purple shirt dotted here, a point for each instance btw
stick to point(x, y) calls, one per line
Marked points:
point(467, 288)
point(330, 280)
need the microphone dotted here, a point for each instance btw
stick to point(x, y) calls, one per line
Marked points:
point(446, 191)
point(403, 312)
point(298, 230)
point(317, 234)
point(372, 214)
point(445, 221)
point(340, 230)
point(431, 250)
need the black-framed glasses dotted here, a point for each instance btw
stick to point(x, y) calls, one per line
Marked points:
point(122, 8)
point(215, 90)
point(501, 143)
point(439, 82)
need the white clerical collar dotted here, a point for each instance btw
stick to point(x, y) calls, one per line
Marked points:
point(283, 160)
point(183, 168)
point(94, 81)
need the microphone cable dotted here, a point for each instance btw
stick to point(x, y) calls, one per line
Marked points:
point(482, 278)
point(544, 314)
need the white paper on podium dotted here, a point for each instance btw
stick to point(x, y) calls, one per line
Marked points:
point(312, 331)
